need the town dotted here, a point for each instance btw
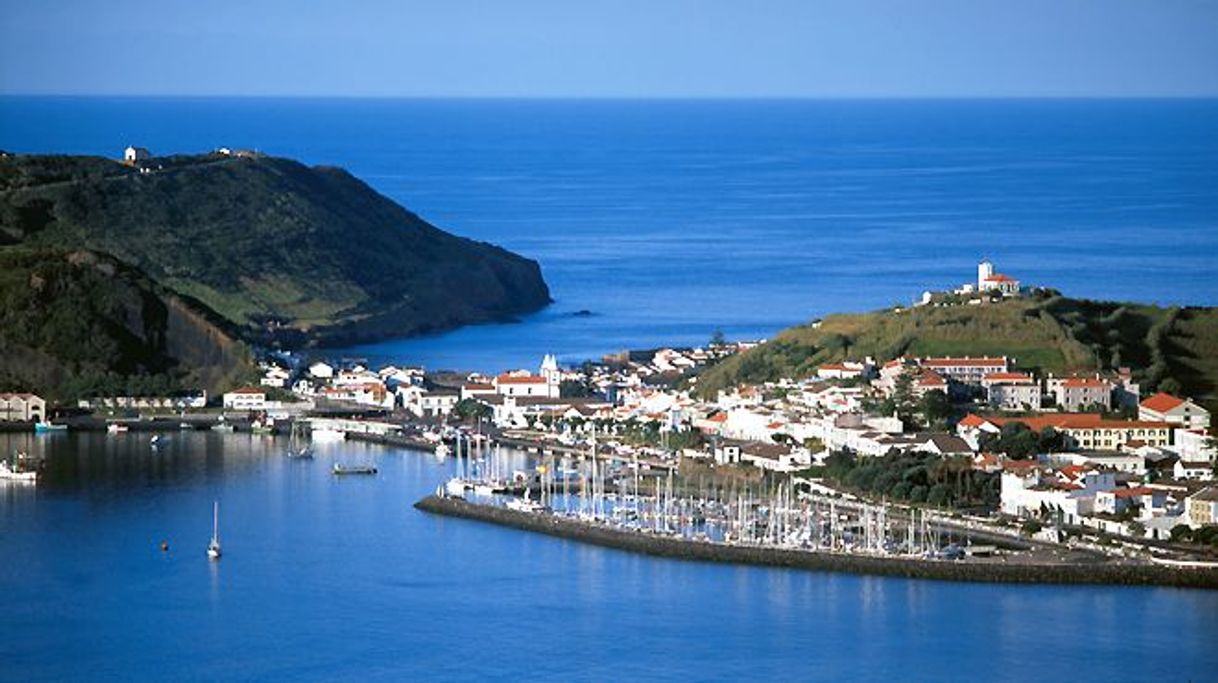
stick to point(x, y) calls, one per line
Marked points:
point(1084, 456)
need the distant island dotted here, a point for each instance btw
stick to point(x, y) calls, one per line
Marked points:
point(139, 274)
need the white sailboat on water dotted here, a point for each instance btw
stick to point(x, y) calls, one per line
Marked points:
point(213, 548)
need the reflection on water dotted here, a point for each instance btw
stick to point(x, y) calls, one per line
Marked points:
point(328, 577)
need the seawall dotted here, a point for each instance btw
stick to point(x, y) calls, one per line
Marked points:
point(993, 571)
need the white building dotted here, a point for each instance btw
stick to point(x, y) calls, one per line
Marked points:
point(989, 281)
point(247, 398)
point(134, 154)
point(22, 407)
point(1167, 408)
point(320, 370)
point(1011, 391)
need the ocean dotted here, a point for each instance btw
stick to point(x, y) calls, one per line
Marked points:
point(665, 221)
point(668, 220)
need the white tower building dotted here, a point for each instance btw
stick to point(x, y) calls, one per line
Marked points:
point(549, 369)
point(985, 270)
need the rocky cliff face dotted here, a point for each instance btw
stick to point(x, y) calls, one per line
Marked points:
point(79, 323)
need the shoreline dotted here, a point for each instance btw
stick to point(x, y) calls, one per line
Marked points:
point(1109, 573)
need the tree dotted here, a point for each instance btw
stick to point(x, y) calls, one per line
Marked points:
point(469, 409)
point(1171, 385)
point(717, 339)
point(935, 408)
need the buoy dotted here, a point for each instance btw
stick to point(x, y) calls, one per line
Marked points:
point(164, 546)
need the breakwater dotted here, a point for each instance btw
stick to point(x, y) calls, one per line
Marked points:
point(992, 570)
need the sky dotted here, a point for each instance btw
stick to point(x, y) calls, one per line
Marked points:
point(622, 48)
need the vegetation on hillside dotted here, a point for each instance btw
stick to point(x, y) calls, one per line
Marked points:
point(76, 324)
point(311, 254)
point(914, 478)
point(1172, 349)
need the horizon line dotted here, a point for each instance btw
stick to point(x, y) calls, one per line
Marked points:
point(612, 98)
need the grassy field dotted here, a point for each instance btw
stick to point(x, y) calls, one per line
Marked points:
point(1165, 346)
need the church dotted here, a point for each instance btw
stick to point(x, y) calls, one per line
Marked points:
point(989, 281)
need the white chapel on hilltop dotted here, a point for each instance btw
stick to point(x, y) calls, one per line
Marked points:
point(991, 282)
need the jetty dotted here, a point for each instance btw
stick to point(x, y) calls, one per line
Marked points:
point(1032, 569)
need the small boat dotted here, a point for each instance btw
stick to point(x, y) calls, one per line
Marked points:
point(454, 488)
point(16, 472)
point(223, 427)
point(353, 469)
point(328, 434)
point(156, 440)
point(184, 426)
point(49, 428)
point(116, 428)
point(524, 505)
point(261, 427)
point(442, 450)
point(213, 548)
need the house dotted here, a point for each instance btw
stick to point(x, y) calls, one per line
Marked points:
point(945, 445)
point(1030, 489)
point(1199, 470)
point(845, 370)
point(477, 389)
point(1201, 508)
point(1167, 408)
point(1011, 391)
point(134, 154)
point(1195, 445)
point(774, 457)
point(966, 370)
point(22, 407)
point(928, 381)
point(1118, 500)
point(1082, 430)
point(526, 385)
point(247, 398)
point(1080, 393)
point(320, 370)
point(275, 376)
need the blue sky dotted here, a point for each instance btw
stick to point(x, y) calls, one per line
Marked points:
point(624, 48)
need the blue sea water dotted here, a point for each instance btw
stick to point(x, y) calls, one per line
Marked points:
point(338, 578)
point(671, 219)
point(667, 220)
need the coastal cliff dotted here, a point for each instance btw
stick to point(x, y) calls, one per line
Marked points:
point(75, 323)
point(283, 252)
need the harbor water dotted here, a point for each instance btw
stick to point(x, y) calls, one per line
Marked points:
point(339, 578)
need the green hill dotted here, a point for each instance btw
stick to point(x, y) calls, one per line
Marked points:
point(79, 323)
point(1169, 348)
point(280, 250)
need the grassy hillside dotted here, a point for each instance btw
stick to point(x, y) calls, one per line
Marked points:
point(79, 323)
point(1048, 333)
point(311, 254)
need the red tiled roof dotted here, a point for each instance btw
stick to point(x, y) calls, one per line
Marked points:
point(248, 390)
point(1077, 421)
point(1161, 402)
point(530, 379)
point(1007, 377)
point(972, 420)
point(931, 378)
point(999, 277)
point(1084, 383)
point(1132, 493)
point(964, 362)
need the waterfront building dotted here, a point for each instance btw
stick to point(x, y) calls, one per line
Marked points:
point(1181, 411)
point(997, 283)
point(1079, 393)
point(1201, 508)
point(246, 398)
point(22, 407)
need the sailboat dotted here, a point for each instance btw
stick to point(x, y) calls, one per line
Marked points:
point(297, 448)
point(213, 548)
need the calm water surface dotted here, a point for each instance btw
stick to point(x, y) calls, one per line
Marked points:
point(327, 578)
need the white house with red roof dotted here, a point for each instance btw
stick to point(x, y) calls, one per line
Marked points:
point(990, 281)
point(1011, 391)
point(245, 398)
point(1079, 393)
point(1167, 408)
